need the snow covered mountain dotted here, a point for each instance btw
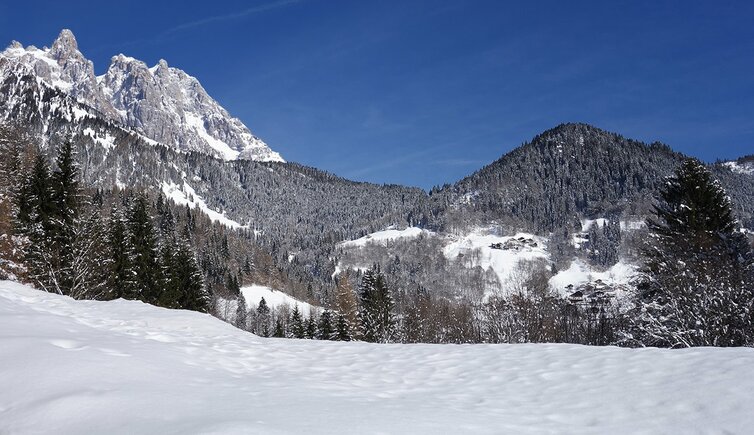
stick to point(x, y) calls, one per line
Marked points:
point(161, 103)
point(128, 367)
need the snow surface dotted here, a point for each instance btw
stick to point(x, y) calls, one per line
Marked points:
point(186, 195)
point(124, 367)
point(386, 235)
point(274, 298)
point(502, 261)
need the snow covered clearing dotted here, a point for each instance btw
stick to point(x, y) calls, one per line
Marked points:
point(186, 195)
point(580, 272)
point(741, 168)
point(501, 253)
point(126, 367)
point(274, 298)
point(387, 235)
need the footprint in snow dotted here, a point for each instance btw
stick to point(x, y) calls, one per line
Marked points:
point(68, 344)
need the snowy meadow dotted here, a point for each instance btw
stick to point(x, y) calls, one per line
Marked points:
point(127, 367)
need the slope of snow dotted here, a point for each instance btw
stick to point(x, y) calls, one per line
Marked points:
point(741, 168)
point(274, 298)
point(195, 122)
point(476, 249)
point(185, 195)
point(387, 235)
point(126, 367)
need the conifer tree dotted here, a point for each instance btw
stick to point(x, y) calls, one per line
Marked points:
point(146, 264)
point(66, 207)
point(325, 327)
point(377, 308)
point(297, 324)
point(311, 328)
point(696, 285)
point(121, 282)
point(36, 223)
point(279, 331)
point(241, 313)
point(263, 319)
point(342, 329)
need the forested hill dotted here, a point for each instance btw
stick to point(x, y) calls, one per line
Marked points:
point(571, 172)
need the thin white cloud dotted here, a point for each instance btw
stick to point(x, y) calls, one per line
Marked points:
point(232, 16)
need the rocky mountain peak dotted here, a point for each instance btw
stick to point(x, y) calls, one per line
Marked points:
point(65, 46)
point(162, 103)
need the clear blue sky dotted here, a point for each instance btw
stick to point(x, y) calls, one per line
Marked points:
point(426, 92)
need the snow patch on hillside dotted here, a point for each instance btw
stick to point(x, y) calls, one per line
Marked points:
point(128, 367)
point(225, 151)
point(618, 276)
point(387, 235)
point(185, 195)
point(275, 298)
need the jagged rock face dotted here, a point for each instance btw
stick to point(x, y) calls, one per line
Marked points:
point(162, 103)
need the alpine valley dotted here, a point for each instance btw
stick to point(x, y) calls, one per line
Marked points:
point(565, 212)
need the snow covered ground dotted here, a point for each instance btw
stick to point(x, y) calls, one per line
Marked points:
point(387, 235)
point(274, 298)
point(85, 367)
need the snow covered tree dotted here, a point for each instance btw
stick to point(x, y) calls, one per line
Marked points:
point(325, 327)
point(376, 308)
point(241, 313)
point(696, 285)
point(190, 281)
point(263, 319)
point(35, 222)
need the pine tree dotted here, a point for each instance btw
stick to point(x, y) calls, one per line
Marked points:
point(279, 332)
point(696, 285)
point(66, 209)
point(297, 324)
point(36, 224)
point(241, 313)
point(121, 282)
point(377, 308)
point(191, 286)
point(310, 328)
point(342, 329)
point(325, 327)
point(263, 319)
point(146, 266)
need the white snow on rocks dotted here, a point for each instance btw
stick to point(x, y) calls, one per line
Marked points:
point(126, 367)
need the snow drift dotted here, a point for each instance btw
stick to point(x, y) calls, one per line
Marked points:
point(126, 367)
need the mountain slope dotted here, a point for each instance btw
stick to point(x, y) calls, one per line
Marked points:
point(573, 172)
point(162, 103)
point(126, 367)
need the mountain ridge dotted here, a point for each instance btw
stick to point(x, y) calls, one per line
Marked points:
point(162, 103)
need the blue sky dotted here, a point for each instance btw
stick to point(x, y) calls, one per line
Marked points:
point(425, 92)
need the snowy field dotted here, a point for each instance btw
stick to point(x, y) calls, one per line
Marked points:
point(126, 367)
